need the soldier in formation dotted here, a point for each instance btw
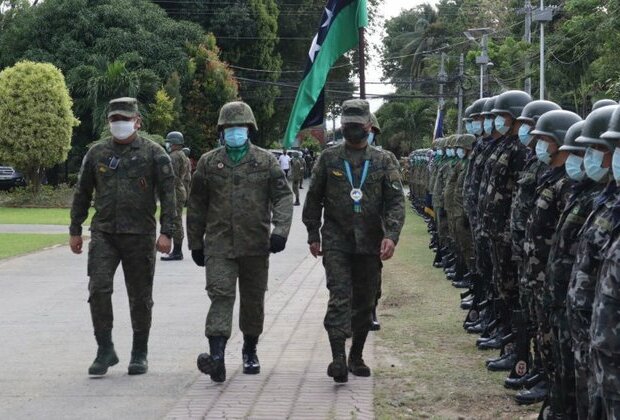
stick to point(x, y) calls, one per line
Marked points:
point(535, 188)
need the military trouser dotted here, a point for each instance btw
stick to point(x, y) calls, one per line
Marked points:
point(564, 362)
point(505, 276)
point(222, 275)
point(296, 183)
point(579, 325)
point(464, 241)
point(179, 233)
point(136, 253)
point(379, 284)
point(606, 367)
point(544, 333)
point(442, 226)
point(352, 282)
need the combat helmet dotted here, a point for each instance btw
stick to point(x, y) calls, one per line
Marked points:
point(555, 124)
point(487, 108)
point(571, 135)
point(613, 130)
point(175, 137)
point(532, 111)
point(467, 113)
point(596, 124)
point(236, 113)
point(375, 123)
point(603, 103)
point(477, 107)
point(511, 102)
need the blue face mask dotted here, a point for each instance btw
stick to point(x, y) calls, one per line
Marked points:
point(574, 167)
point(615, 164)
point(449, 153)
point(488, 126)
point(593, 162)
point(469, 128)
point(460, 152)
point(476, 126)
point(371, 138)
point(439, 152)
point(236, 136)
point(542, 152)
point(500, 124)
point(524, 134)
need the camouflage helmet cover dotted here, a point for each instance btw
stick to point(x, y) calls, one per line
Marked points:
point(236, 113)
point(175, 137)
point(375, 123)
point(466, 141)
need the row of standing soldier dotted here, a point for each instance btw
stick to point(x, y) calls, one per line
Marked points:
point(523, 212)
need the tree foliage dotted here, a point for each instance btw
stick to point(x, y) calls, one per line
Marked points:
point(36, 120)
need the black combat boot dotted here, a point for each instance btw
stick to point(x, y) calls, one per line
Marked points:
point(138, 364)
point(375, 326)
point(356, 363)
point(537, 393)
point(251, 365)
point(504, 364)
point(106, 356)
point(213, 364)
point(176, 254)
point(337, 369)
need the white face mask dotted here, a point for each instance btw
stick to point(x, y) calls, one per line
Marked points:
point(122, 130)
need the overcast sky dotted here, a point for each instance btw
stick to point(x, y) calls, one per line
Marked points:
point(391, 9)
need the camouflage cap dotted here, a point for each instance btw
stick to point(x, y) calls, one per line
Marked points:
point(466, 141)
point(355, 111)
point(127, 107)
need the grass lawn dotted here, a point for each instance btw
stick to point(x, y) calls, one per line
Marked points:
point(12, 244)
point(427, 365)
point(33, 216)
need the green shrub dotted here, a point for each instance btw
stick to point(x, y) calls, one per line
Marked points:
point(47, 197)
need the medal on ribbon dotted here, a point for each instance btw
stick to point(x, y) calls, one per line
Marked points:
point(356, 193)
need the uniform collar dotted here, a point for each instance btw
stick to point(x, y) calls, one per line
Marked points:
point(342, 153)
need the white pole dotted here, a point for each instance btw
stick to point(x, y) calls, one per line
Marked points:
point(542, 54)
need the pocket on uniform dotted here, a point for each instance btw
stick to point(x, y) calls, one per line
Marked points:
point(136, 168)
point(605, 332)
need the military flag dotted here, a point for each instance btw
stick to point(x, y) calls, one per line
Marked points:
point(337, 34)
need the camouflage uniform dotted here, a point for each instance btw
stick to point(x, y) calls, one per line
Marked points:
point(561, 258)
point(298, 176)
point(230, 211)
point(500, 191)
point(351, 241)
point(594, 235)
point(182, 177)
point(462, 230)
point(126, 180)
point(552, 198)
point(605, 333)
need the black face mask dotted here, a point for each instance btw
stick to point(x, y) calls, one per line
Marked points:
point(354, 133)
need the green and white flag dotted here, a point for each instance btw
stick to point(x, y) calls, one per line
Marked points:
point(337, 34)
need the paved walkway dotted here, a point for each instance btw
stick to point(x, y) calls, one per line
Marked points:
point(47, 345)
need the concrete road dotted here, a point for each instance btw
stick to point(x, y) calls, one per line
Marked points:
point(48, 344)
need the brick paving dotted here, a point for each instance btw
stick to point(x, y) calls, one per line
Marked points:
point(294, 354)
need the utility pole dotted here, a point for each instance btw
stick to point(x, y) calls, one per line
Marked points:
point(442, 78)
point(541, 16)
point(483, 59)
point(362, 63)
point(527, 37)
point(459, 128)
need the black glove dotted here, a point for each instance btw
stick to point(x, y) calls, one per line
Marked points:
point(198, 255)
point(276, 243)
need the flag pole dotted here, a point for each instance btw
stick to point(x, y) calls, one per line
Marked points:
point(362, 63)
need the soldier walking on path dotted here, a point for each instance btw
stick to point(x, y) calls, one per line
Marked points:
point(359, 192)
point(182, 179)
point(237, 193)
point(297, 166)
point(126, 173)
